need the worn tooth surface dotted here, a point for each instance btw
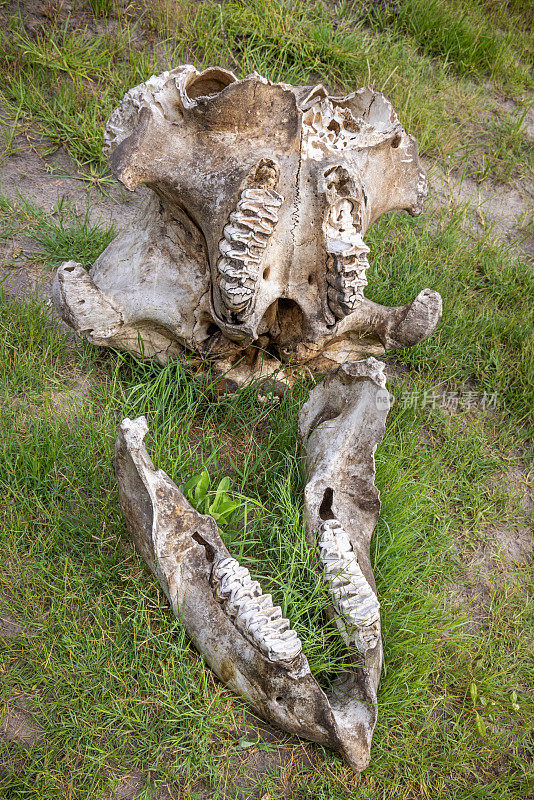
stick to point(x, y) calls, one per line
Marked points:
point(245, 238)
point(234, 579)
point(257, 227)
point(253, 613)
point(352, 596)
point(347, 251)
point(239, 596)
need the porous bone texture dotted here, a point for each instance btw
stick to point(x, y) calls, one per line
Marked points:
point(250, 252)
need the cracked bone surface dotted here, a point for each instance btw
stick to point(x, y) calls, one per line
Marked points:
point(250, 249)
point(243, 636)
point(340, 427)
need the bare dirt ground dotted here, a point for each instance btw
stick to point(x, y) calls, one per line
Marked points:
point(47, 180)
point(499, 210)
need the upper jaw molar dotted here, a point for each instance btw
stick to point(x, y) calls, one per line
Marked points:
point(245, 237)
point(347, 252)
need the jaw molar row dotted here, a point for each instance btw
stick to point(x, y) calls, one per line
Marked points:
point(353, 598)
point(245, 238)
point(253, 612)
point(347, 263)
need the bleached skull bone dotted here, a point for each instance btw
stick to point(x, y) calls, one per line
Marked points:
point(261, 197)
point(340, 427)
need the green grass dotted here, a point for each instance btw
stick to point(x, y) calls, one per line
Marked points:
point(112, 675)
point(504, 152)
point(58, 234)
point(25, 338)
point(460, 34)
point(109, 672)
point(103, 664)
point(64, 82)
point(487, 334)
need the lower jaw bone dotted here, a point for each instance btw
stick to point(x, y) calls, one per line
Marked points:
point(243, 636)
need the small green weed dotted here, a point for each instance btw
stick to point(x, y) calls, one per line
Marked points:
point(217, 503)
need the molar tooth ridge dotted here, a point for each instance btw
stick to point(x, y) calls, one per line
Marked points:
point(245, 238)
point(352, 596)
point(347, 255)
point(252, 612)
point(258, 226)
point(283, 647)
point(346, 281)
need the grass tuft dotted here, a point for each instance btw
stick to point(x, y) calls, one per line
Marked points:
point(59, 236)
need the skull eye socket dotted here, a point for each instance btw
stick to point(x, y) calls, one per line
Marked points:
point(208, 83)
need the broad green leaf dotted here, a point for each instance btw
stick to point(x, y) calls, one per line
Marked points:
point(244, 742)
point(224, 485)
point(191, 483)
point(202, 486)
point(227, 507)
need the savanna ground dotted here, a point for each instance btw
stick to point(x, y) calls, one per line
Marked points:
point(102, 695)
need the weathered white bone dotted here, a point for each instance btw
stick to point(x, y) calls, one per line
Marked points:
point(340, 427)
point(251, 253)
point(252, 612)
point(244, 638)
point(329, 127)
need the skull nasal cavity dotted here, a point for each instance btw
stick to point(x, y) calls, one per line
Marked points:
point(290, 321)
